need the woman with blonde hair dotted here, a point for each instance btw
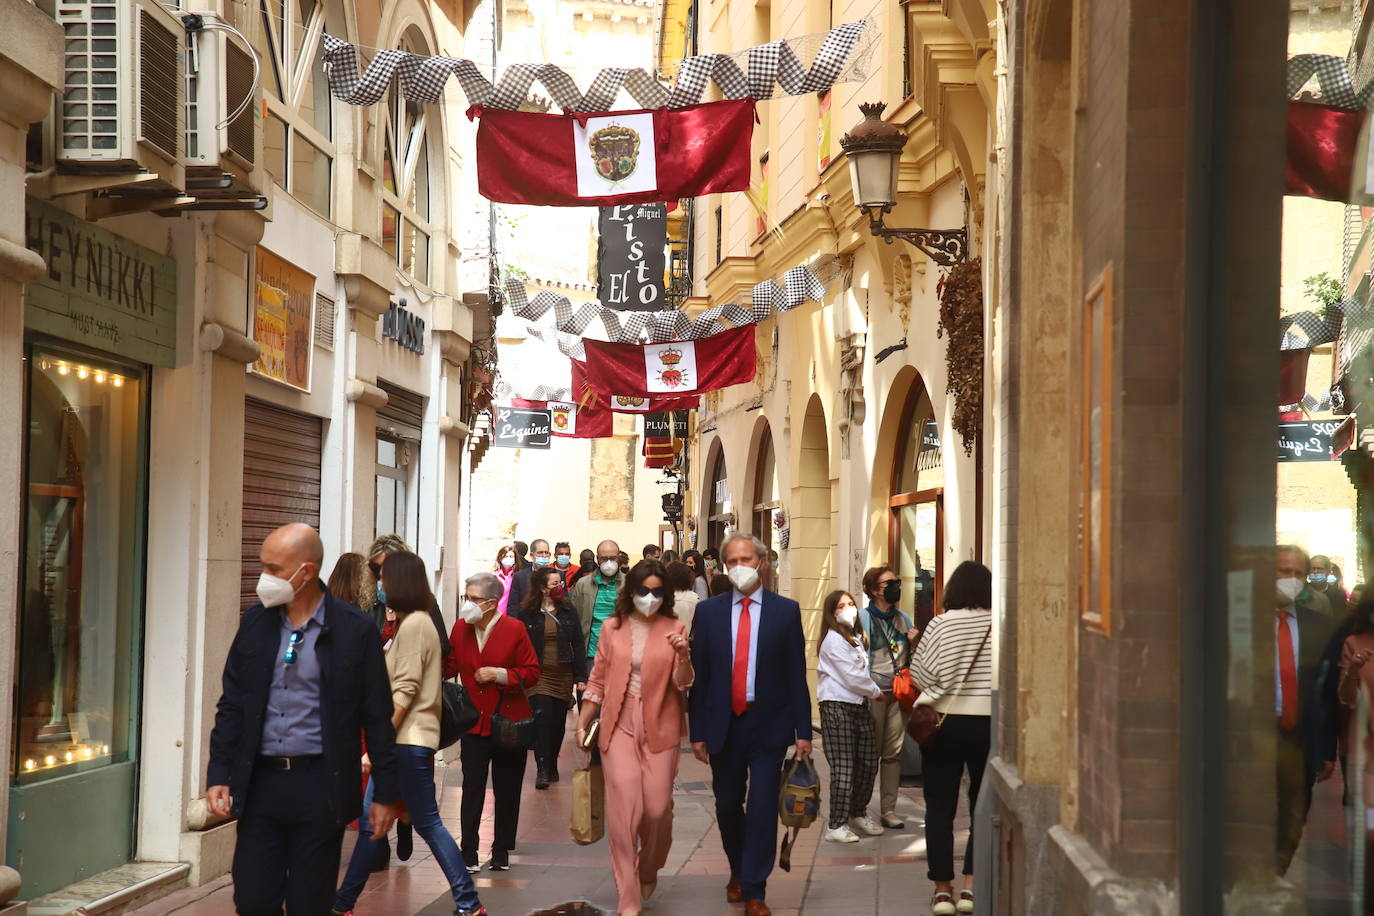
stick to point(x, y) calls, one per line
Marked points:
point(351, 582)
point(844, 690)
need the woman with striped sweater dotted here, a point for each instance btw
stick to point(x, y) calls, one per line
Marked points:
point(952, 665)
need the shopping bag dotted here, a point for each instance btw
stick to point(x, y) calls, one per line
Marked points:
point(588, 822)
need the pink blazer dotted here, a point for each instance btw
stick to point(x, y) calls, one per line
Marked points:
point(661, 696)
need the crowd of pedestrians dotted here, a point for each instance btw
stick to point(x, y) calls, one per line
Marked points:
point(333, 698)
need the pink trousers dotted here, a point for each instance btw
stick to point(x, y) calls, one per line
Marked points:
point(639, 805)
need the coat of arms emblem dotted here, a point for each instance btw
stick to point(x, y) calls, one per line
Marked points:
point(671, 376)
point(615, 152)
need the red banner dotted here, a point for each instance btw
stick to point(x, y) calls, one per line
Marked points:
point(573, 421)
point(1322, 160)
point(680, 367)
point(625, 403)
point(622, 157)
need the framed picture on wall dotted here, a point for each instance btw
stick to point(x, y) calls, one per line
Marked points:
point(1095, 455)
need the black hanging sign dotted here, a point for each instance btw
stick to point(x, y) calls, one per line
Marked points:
point(517, 427)
point(680, 423)
point(630, 258)
point(658, 425)
point(1308, 441)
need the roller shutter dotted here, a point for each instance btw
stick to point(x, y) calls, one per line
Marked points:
point(281, 480)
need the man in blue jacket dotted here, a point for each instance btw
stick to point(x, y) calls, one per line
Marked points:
point(304, 678)
point(750, 702)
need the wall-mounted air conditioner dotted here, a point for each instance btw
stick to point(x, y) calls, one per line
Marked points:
point(123, 104)
point(223, 105)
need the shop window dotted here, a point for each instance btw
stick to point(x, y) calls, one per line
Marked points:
point(82, 576)
point(298, 135)
point(406, 227)
point(917, 509)
point(721, 518)
point(396, 506)
point(766, 498)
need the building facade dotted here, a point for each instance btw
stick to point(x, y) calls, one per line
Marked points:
point(216, 324)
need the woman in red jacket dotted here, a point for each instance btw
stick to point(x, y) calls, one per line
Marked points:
point(493, 655)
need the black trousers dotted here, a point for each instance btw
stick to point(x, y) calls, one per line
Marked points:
point(963, 743)
point(288, 845)
point(550, 724)
point(507, 768)
point(1293, 785)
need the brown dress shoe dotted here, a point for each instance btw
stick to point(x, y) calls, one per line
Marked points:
point(756, 908)
point(734, 893)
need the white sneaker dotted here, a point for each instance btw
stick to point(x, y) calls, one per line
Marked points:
point(841, 834)
point(890, 819)
point(865, 825)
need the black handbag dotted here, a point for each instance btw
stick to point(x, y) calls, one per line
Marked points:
point(459, 714)
point(512, 734)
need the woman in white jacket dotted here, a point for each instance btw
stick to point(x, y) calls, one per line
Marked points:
point(843, 689)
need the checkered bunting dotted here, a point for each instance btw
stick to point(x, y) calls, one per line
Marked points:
point(799, 285)
point(1358, 312)
point(1313, 404)
point(1302, 330)
point(1333, 79)
point(842, 55)
point(569, 345)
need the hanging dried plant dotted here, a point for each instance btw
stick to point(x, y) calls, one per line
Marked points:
point(961, 318)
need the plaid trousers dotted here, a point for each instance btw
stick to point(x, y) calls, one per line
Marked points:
point(852, 751)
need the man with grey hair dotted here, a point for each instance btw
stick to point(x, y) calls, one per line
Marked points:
point(749, 703)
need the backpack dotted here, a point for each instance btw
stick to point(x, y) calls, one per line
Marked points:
point(799, 803)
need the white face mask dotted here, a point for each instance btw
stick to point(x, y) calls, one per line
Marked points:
point(1288, 590)
point(507, 562)
point(744, 578)
point(610, 568)
point(471, 612)
point(648, 605)
point(848, 616)
point(274, 591)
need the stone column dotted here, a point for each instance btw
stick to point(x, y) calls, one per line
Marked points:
point(30, 71)
point(366, 272)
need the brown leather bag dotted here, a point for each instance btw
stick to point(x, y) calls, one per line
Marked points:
point(925, 722)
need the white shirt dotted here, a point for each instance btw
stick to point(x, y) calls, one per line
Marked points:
point(1292, 612)
point(842, 671)
point(755, 613)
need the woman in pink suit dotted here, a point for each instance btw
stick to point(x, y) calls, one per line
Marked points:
point(643, 666)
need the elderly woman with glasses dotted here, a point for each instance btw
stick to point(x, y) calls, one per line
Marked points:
point(415, 666)
point(493, 655)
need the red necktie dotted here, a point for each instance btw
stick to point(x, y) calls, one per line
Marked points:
point(739, 684)
point(1288, 674)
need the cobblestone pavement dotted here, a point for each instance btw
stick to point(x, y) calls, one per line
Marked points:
point(882, 875)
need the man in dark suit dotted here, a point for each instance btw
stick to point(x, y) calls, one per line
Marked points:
point(749, 703)
point(304, 677)
point(1306, 748)
point(520, 585)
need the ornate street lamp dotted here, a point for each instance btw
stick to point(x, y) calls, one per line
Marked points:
point(874, 148)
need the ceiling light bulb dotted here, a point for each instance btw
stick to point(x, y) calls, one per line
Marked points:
point(63, 368)
point(49, 760)
point(69, 756)
point(82, 373)
point(30, 764)
point(100, 376)
point(118, 381)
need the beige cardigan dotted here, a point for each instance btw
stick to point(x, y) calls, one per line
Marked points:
point(415, 668)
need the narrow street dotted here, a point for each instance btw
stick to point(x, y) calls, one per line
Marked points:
point(883, 875)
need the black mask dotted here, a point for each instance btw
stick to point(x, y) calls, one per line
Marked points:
point(892, 591)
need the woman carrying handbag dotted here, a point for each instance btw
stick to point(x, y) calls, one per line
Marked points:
point(493, 656)
point(952, 665)
point(643, 667)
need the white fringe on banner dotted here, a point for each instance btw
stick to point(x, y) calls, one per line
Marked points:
point(840, 55)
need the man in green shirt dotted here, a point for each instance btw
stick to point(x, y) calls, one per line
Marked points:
point(594, 596)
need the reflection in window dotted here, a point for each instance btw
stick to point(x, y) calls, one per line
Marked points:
point(298, 130)
point(718, 521)
point(394, 460)
point(405, 176)
point(765, 492)
point(83, 559)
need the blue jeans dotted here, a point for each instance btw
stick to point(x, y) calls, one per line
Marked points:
point(415, 769)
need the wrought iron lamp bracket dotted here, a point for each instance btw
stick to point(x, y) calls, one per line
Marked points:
point(945, 247)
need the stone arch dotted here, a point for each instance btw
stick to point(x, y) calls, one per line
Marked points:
point(811, 554)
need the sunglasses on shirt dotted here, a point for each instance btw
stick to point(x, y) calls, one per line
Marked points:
point(293, 646)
